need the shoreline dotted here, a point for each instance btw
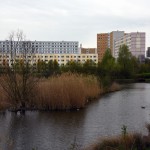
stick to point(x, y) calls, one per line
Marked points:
point(113, 88)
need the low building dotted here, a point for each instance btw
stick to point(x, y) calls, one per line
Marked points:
point(62, 59)
point(41, 47)
point(88, 51)
point(33, 51)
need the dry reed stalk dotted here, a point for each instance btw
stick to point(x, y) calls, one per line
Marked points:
point(130, 141)
point(114, 87)
point(92, 87)
point(66, 91)
point(4, 103)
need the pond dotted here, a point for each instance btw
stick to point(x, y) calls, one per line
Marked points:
point(58, 130)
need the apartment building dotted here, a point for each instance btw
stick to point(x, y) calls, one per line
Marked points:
point(114, 35)
point(62, 59)
point(41, 47)
point(103, 42)
point(107, 40)
point(33, 51)
point(135, 42)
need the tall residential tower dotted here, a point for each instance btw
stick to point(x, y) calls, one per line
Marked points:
point(113, 40)
point(107, 40)
point(135, 42)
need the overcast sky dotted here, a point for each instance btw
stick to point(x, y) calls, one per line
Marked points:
point(78, 20)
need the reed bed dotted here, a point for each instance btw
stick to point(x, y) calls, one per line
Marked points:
point(125, 141)
point(129, 142)
point(114, 87)
point(67, 91)
point(4, 103)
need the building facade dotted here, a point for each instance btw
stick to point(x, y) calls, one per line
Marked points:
point(88, 51)
point(62, 59)
point(103, 42)
point(34, 51)
point(107, 40)
point(135, 42)
point(114, 35)
point(41, 47)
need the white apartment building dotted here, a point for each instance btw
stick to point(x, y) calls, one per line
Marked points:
point(135, 42)
point(114, 35)
point(34, 51)
point(41, 47)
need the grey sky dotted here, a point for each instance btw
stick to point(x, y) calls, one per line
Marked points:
point(78, 20)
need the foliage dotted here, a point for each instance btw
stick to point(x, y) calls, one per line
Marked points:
point(143, 75)
point(125, 62)
point(47, 69)
point(106, 69)
point(72, 66)
point(124, 130)
point(88, 67)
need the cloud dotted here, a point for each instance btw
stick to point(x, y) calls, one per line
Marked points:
point(73, 19)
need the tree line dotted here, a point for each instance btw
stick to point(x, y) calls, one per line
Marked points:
point(126, 66)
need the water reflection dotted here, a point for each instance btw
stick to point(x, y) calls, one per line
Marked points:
point(57, 130)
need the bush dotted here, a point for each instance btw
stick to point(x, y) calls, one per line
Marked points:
point(143, 75)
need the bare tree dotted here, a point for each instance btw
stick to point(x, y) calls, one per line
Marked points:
point(18, 81)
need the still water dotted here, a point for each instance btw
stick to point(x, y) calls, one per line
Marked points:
point(57, 130)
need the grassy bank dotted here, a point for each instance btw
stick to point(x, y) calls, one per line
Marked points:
point(66, 91)
point(125, 141)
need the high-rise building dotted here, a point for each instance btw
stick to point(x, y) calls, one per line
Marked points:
point(102, 44)
point(113, 40)
point(135, 42)
point(107, 40)
point(114, 35)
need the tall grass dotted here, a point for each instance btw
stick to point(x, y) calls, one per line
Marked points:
point(114, 87)
point(129, 142)
point(4, 103)
point(125, 141)
point(66, 91)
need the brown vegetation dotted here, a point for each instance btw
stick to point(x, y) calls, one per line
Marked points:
point(125, 141)
point(114, 87)
point(119, 143)
point(66, 91)
point(3, 100)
